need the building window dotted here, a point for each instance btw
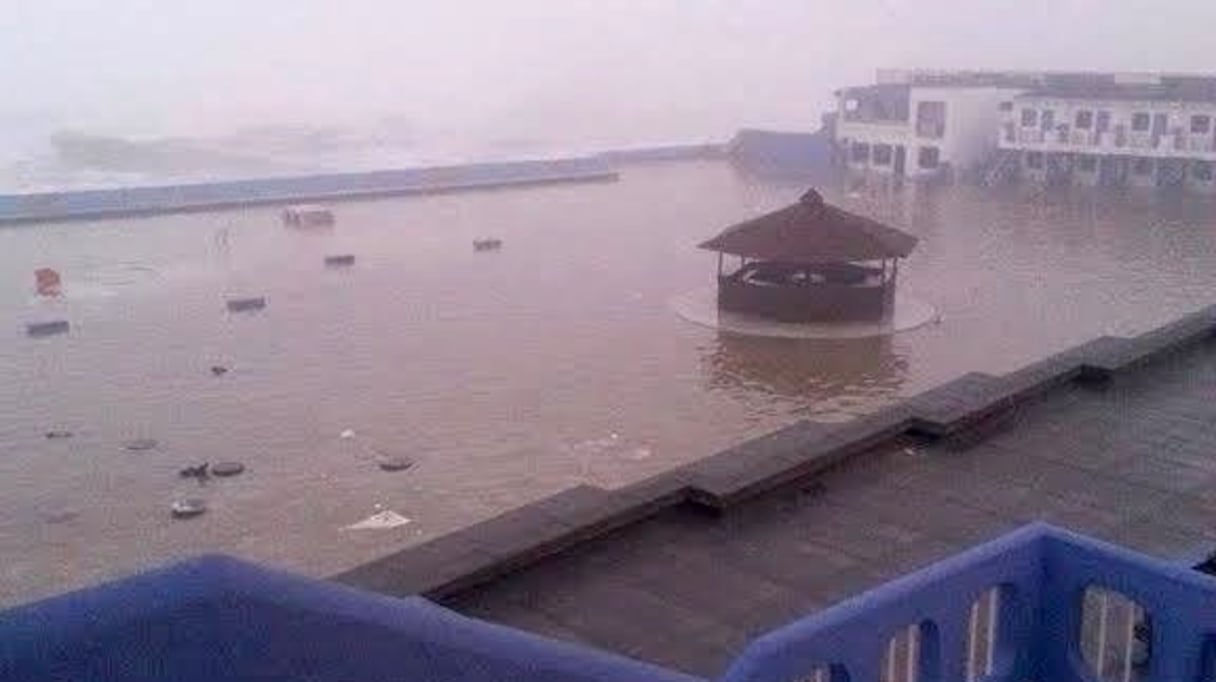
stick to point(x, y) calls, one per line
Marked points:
point(1034, 160)
point(1143, 166)
point(1202, 171)
point(928, 158)
point(1087, 163)
point(1048, 119)
point(1140, 121)
point(1084, 119)
point(1103, 121)
point(882, 155)
point(1006, 106)
point(930, 119)
point(861, 152)
point(1029, 118)
point(1201, 124)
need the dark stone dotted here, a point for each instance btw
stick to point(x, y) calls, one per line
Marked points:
point(58, 434)
point(395, 463)
point(141, 444)
point(48, 328)
point(219, 370)
point(198, 471)
point(240, 305)
point(340, 261)
point(227, 469)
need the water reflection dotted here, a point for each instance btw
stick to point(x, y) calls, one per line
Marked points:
point(826, 379)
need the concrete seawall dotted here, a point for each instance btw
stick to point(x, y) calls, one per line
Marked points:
point(133, 201)
point(203, 196)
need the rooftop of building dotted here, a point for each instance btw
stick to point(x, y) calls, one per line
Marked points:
point(1115, 438)
point(1053, 84)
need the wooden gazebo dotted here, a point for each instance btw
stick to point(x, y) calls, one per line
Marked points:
point(811, 262)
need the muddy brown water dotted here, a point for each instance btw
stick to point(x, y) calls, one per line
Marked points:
point(503, 376)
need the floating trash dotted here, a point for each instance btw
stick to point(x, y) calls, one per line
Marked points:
point(347, 434)
point(48, 282)
point(490, 244)
point(188, 508)
point(219, 370)
point(50, 328)
point(308, 215)
point(241, 305)
point(379, 521)
point(227, 469)
point(388, 463)
point(141, 444)
point(60, 516)
point(638, 454)
point(199, 471)
point(340, 261)
point(58, 434)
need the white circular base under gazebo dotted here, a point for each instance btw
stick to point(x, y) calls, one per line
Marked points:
point(701, 307)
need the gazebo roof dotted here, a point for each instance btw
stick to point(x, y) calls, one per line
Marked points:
point(812, 231)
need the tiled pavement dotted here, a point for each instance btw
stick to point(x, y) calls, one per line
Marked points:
point(1133, 462)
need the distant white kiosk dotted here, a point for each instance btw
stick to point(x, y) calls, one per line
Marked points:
point(307, 215)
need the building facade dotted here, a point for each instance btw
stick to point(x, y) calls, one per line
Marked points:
point(1138, 130)
point(921, 124)
point(1119, 130)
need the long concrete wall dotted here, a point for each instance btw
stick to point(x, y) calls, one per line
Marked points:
point(72, 205)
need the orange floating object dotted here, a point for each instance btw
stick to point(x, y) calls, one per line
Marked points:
point(48, 281)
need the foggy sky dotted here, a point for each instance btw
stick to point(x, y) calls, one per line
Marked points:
point(650, 70)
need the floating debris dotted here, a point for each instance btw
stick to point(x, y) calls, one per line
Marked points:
point(913, 452)
point(227, 469)
point(490, 244)
point(58, 434)
point(219, 370)
point(50, 328)
point(199, 471)
point(340, 261)
point(48, 282)
point(188, 508)
point(308, 215)
point(141, 444)
point(379, 521)
point(61, 516)
point(389, 463)
point(241, 305)
point(347, 434)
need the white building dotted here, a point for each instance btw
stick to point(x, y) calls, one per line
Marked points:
point(1144, 130)
point(1148, 130)
point(923, 123)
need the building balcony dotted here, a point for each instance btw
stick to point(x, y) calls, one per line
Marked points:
point(1038, 604)
point(1112, 142)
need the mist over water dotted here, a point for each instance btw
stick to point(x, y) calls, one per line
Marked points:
point(138, 91)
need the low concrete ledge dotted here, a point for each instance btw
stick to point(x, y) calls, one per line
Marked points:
point(510, 541)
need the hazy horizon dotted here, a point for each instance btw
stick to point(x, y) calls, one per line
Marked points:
point(526, 74)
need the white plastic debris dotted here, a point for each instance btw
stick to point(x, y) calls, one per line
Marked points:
point(348, 433)
point(379, 521)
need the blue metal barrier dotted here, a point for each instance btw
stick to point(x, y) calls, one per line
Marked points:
point(1040, 604)
point(1041, 575)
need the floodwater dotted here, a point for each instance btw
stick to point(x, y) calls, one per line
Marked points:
point(505, 375)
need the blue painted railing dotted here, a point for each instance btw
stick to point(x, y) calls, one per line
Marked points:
point(1040, 604)
point(1042, 575)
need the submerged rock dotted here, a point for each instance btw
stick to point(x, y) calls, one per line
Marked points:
point(141, 444)
point(388, 463)
point(227, 469)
